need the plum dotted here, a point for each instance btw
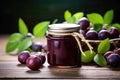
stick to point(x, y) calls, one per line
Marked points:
point(33, 62)
point(103, 34)
point(36, 47)
point(92, 35)
point(22, 57)
point(84, 23)
point(113, 60)
point(114, 32)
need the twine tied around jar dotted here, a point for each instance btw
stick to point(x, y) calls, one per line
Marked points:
point(76, 36)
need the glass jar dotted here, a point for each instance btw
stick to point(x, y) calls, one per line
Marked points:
point(63, 50)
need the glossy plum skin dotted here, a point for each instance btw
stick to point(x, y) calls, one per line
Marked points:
point(84, 23)
point(117, 51)
point(82, 32)
point(92, 35)
point(28, 35)
point(33, 62)
point(103, 34)
point(22, 57)
point(36, 47)
point(108, 54)
point(113, 60)
point(42, 56)
point(114, 32)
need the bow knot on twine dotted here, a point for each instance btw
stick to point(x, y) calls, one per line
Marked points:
point(77, 36)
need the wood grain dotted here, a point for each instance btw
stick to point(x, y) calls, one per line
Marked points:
point(15, 70)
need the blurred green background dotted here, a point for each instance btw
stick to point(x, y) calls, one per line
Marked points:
point(34, 11)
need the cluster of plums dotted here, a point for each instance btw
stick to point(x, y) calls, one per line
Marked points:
point(37, 59)
point(33, 62)
point(91, 34)
point(113, 57)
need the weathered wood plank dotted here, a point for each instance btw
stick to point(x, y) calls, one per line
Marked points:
point(15, 70)
point(53, 74)
point(8, 58)
point(3, 41)
point(17, 65)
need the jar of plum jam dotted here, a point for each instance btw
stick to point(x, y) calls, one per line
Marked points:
point(63, 50)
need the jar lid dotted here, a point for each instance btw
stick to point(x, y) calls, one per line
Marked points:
point(63, 27)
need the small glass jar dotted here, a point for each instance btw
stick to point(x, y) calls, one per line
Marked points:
point(63, 50)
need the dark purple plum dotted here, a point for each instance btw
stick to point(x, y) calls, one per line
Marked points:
point(33, 62)
point(82, 32)
point(29, 35)
point(42, 57)
point(36, 47)
point(22, 57)
point(92, 35)
point(103, 34)
point(113, 60)
point(114, 32)
point(84, 23)
point(108, 54)
point(117, 51)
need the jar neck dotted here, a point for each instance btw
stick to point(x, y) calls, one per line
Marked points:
point(60, 33)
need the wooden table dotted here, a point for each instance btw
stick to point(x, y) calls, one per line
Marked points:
point(11, 69)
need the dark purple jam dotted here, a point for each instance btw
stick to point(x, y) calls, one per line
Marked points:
point(63, 51)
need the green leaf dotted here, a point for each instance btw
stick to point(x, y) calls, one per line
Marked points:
point(16, 37)
point(117, 25)
point(67, 15)
point(108, 17)
point(22, 27)
point(26, 43)
point(100, 60)
point(97, 27)
point(40, 29)
point(104, 46)
point(11, 46)
point(71, 20)
point(13, 42)
point(78, 15)
point(88, 57)
point(95, 18)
